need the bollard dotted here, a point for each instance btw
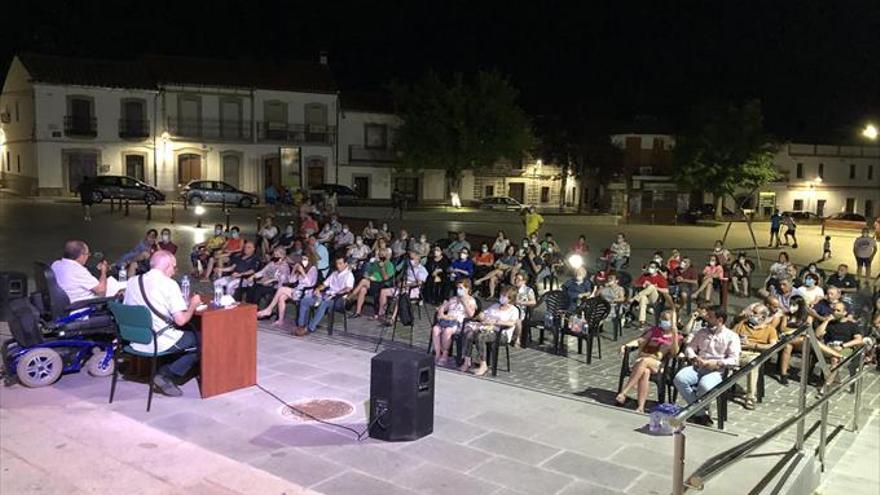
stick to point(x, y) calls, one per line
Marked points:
point(149, 212)
point(185, 202)
point(111, 205)
point(259, 222)
point(227, 219)
point(172, 213)
point(126, 207)
point(823, 228)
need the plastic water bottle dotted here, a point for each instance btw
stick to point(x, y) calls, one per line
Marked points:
point(218, 294)
point(122, 274)
point(184, 287)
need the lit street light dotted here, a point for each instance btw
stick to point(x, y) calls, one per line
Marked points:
point(870, 132)
point(200, 210)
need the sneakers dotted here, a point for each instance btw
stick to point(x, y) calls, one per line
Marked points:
point(166, 386)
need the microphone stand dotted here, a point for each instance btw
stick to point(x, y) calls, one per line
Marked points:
point(401, 287)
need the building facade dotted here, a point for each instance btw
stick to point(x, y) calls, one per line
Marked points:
point(166, 121)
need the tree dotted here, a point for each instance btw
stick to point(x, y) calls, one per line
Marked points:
point(725, 149)
point(460, 124)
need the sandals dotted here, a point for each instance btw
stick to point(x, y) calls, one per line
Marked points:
point(749, 403)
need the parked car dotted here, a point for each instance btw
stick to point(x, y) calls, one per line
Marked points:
point(501, 203)
point(211, 191)
point(344, 194)
point(804, 216)
point(707, 210)
point(850, 221)
point(124, 187)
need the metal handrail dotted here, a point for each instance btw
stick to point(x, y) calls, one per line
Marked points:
point(725, 459)
point(701, 403)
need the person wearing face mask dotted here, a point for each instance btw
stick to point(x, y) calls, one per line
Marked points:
point(343, 239)
point(438, 268)
point(462, 267)
point(201, 253)
point(653, 286)
point(661, 262)
point(576, 289)
point(500, 244)
point(303, 277)
point(674, 261)
point(384, 233)
point(378, 274)
point(794, 317)
point(326, 235)
point(414, 276)
point(740, 274)
point(450, 316)
point(287, 237)
point(357, 254)
point(138, 259)
point(722, 253)
point(400, 245)
point(823, 309)
point(654, 346)
point(549, 245)
point(497, 322)
point(269, 278)
point(484, 260)
point(810, 291)
point(370, 233)
point(308, 226)
point(457, 245)
point(684, 281)
point(504, 267)
point(813, 269)
point(240, 271)
point(620, 252)
point(712, 349)
point(165, 243)
point(713, 277)
point(233, 245)
point(843, 280)
point(756, 335)
point(422, 247)
point(525, 301)
point(268, 236)
point(839, 336)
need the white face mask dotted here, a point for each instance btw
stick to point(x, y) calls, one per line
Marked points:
point(289, 230)
point(359, 242)
point(665, 324)
point(485, 249)
point(652, 270)
point(461, 291)
point(463, 256)
point(304, 262)
point(423, 239)
point(502, 300)
point(166, 237)
point(345, 230)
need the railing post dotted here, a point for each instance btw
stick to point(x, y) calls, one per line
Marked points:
point(678, 462)
point(806, 354)
point(126, 207)
point(149, 212)
point(259, 223)
point(857, 403)
point(823, 438)
point(111, 205)
point(226, 211)
point(172, 213)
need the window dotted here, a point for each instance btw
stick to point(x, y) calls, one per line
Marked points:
point(869, 208)
point(230, 118)
point(646, 170)
point(798, 205)
point(134, 166)
point(80, 120)
point(133, 123)
point(16, 111)
point(852, 171)
point(316, 114)
point(275, 120)
point(545, 194)
point(489, 191)
point(821, 171)
point(799, 171)
point(18, 163)
point(375, 136)
point(8, 161)
point(870, 172)
point(189, 115)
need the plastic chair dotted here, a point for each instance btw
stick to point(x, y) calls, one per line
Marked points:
point(136, 326)
point(663, 379)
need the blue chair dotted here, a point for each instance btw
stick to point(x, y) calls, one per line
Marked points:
point(136, 326)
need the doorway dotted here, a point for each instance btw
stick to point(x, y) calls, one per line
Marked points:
point(315, 173)
point(820, 208)
point(517, 191)
point(362, 186)
point(134, 166)
point(80, 165)
point(850, 205)
point(189, 168)
point(272, 171)
point(869, 209)
point(409, 186)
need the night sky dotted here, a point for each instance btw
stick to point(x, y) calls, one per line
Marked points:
point(814, 64)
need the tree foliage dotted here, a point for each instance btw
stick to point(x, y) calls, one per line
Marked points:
point(725, 149)
point(461, 123)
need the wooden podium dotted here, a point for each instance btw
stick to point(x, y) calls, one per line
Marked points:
point(228, 349)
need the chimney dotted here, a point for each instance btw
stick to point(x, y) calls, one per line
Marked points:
point(322, 57)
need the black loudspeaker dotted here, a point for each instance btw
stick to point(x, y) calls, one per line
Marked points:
point(12, 285)
point(401, 395)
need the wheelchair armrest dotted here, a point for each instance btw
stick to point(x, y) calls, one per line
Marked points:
point(85, 303)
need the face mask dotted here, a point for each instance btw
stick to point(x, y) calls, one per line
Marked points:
point(658, 259)
point(218, 231)
point(359, 242)
point(415, 262)
point(712, 263)
point(304, 262)
point(166, 238)
point(665, 324)
point(235, 235)
point(838, 316)
point(463, 256)
point(385, 226)
point(809, 282)
point(717, 249)
point(485, 249)
point(841, 274)
point(461, 291)
point(579, 278)
point(525, 243)
point(345, 230)
point(502, 300)
point(612, 282)
point(793, 308)
point(652, 270)
point(289, 230)
point(423, 239)
point(812, 269)
point(754, 320)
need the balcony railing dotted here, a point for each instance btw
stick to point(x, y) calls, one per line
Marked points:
point(210, 129)
point(360, 153)
point(80, 126)
point(134, 128)
point(296, 133)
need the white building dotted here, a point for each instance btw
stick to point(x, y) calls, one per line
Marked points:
point(166, 121)
point(824, 179)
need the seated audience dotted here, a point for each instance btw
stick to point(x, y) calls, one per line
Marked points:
point(504, 267)
point(713, 277)
point(683, 282)
point(843, 280)
point(138, 259)
point(810, 291)
point(303, 277)
point(268, 235)
point(450, 316)
point(840, 336)
point(794, 316)
point(233, 245)
point(576, 289)
point(457, 245)
point(484, 261)
point(328, 293)
point(201, 253)
point(422, 247)
point(438, 270)
point(241, 268)
point(499, 247)
point(400, 246)
point(651, 286)
point(378, 274)
point(165, 243)
point(370, 233)
point(756, 335)
point(654, 346)
point(461, 267)
point(343, 239)
point(496, 322)
point(580, 246)
point(269, 278)
point(525, 301)
point(740, 275)
point(414, 276)
point(620, 252)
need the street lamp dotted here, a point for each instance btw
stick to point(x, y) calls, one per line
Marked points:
point(870, 131)
point(200, 210)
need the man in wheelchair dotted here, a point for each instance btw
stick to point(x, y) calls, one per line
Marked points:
point(75, 279)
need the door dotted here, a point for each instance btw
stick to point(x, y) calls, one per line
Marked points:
point(409, 186)
point(362, 187)
point(189, 167)
point(80, 165)
point(231, 170)
point(869, 209)
point(316, 174)
point(134, 166)
point(850, 205)
point(820, 207)
point(517, 191)
point(271, 171)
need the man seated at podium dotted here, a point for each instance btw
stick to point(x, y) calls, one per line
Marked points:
point(325, 296)
point(169, 311)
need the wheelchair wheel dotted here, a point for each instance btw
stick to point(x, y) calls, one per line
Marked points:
point(39, 367)
point(93, 365)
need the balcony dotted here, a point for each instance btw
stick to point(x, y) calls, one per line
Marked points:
point(296, 133)
point(360, 153)
point(134, 128)
point(210, 129)
point(80, 126)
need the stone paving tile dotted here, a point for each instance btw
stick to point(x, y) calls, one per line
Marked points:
point(644, 459)
point(299, 467)
point(584, 488)
point(517, 448)
point(599, 472)
point(585, 441)
point(376, 461)
point(431, 479)
point(502, 421)
point(351, 482)
point(521, 477)
point(455, 431)
point(447, 454)
point(650, 484)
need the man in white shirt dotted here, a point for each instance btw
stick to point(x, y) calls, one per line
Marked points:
point(173, 311)
point(75, 279)
point(339, 282)
point(864, 249)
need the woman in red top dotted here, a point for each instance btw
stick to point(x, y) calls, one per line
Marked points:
point(713, 274)
point(674, 260)
point(483, 262)
point(581, 246)
point(654, 345)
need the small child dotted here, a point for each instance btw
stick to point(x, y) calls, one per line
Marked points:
point(826, 248)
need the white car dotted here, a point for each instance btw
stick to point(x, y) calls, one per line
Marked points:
point(501, 203)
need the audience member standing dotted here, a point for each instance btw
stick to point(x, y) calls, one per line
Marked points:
point(864, 249)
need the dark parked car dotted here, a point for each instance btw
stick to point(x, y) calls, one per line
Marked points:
point(344, 194)
point(501, 203)
point(852, 221)
point(124, 187)
point(212, 191)
point(707, 210)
